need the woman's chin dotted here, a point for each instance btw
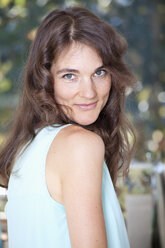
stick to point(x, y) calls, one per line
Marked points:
point(85, 122)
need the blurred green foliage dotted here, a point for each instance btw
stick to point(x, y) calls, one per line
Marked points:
point(142, 23)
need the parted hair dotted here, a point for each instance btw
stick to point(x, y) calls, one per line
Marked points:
point(38, 107)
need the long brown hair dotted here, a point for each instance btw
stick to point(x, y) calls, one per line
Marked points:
point(38, 108)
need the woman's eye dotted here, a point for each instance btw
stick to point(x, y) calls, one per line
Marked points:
point(100, 73)
point(69, 76)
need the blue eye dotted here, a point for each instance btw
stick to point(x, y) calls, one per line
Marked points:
point(100, 73)
point(69, 76)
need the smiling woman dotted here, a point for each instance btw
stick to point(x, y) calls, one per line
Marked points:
point(69, 140)
point(81, 83)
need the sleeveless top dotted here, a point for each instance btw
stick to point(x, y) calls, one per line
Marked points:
point(35, 219)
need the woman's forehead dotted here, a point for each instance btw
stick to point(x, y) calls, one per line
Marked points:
point(76, 49)
point(78, 55)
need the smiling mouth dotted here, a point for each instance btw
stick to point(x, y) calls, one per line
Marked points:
point(86, 106)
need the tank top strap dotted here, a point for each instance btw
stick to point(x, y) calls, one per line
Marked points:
point(50, 132)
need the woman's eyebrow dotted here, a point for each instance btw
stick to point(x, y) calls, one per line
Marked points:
point(99, 68)
point(66, 70)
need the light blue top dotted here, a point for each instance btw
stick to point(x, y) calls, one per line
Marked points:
point(35, 220)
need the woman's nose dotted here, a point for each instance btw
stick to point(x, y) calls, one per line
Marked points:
point(87, 88)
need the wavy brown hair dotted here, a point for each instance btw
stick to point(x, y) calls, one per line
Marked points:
point(38, 108)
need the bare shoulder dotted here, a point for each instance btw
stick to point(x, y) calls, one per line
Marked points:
point(77, 149)
point(75, 155)
point(74, 144)
point(80, 152)
point(74, 150)
point(81, 166)
point(78, 138)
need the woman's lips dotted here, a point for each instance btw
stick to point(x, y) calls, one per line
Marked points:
point(86, 106)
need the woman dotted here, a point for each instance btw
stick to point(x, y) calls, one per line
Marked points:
point(70, 137)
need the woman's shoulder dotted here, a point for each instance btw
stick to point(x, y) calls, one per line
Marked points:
point(77, 137)
point(75, 152)
point(74, 144)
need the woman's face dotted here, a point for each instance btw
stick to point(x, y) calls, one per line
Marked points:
point(81, 82)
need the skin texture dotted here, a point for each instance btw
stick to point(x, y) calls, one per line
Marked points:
point(74, 163)
point(79, 79)
point(75, 160)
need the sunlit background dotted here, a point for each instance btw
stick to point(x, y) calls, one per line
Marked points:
point(142, 23)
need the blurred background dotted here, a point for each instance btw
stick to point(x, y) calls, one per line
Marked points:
point(142, 23)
